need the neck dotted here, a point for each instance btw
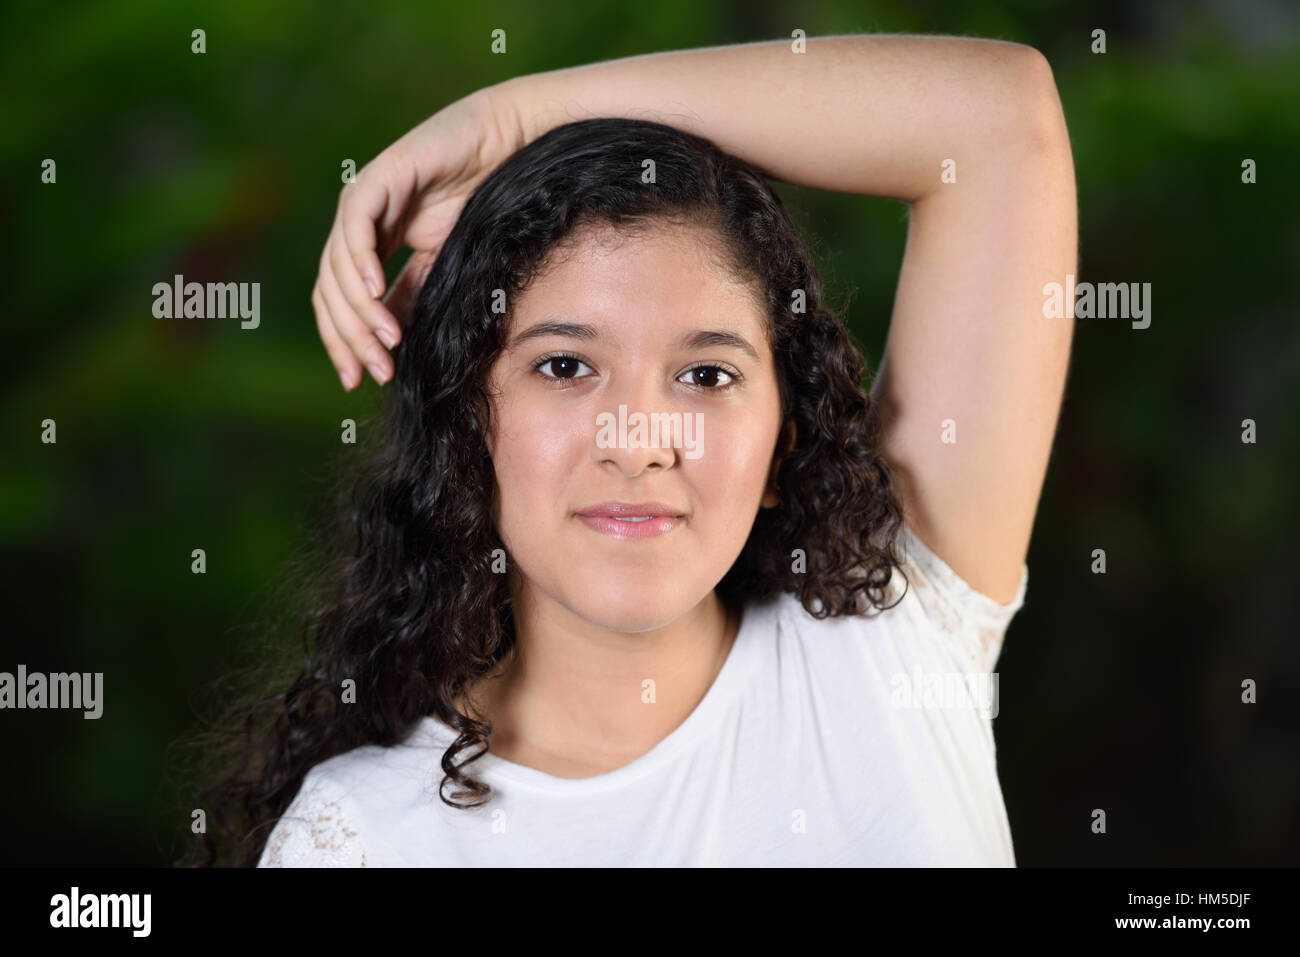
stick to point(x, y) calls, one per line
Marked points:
point(575, 699)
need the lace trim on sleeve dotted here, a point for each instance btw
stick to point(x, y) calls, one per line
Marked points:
point(955, 606)
point(314, 832)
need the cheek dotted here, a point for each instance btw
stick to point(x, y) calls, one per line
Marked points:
point(732, 472)
point(533, 454)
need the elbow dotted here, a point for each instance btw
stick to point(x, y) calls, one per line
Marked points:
point(1039, 118)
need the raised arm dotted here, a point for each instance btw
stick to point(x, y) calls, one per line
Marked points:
point(971, 381)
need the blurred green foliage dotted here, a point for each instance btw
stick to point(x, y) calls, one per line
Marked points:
point(1118, 691)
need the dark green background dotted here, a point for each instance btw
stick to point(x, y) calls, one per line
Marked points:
point(1119, 692)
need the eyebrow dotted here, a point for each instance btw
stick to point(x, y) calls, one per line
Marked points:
point(699, 339)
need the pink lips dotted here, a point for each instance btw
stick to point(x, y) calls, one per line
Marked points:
point(632, 519)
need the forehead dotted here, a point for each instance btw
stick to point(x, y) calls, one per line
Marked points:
point(641, 283)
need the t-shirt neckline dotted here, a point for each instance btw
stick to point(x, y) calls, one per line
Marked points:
point(731, 679)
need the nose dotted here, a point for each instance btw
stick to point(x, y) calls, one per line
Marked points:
point(637, 433)
point(632, 462)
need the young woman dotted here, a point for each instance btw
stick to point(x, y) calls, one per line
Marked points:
point(548, 646)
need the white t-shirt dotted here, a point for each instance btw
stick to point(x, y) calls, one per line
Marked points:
point(835, 742)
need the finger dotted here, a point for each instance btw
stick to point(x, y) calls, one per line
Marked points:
point(406, 287)
point(356, 221)
point(345, 363)
point(341, 314)
point(369, 310)
point(378, 189)
point(358, 336)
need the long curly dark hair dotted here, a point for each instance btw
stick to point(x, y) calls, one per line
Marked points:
point(402, 598)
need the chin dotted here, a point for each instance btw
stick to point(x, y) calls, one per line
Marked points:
point(630, 610)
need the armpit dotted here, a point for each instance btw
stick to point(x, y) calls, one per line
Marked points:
point(975, 620)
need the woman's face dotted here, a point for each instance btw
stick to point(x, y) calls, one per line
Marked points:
point(558, 450)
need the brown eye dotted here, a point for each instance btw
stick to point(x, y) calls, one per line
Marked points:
point(559, 368)
point(563, 367)
point(705, 378)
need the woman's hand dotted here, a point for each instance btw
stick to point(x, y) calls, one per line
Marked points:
point(409, 195)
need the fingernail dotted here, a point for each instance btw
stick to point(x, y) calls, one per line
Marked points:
point(385, 337)
point(377, 371)
point(343, 377)
point(372, 288)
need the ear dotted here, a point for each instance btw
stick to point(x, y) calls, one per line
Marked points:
point(784, 446)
